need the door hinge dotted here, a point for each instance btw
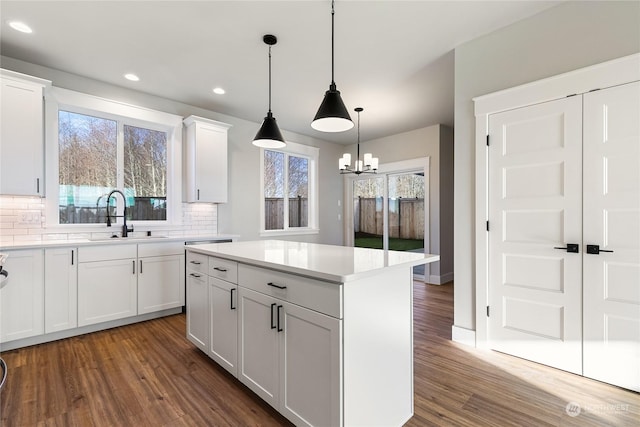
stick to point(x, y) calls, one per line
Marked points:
point(487, 311)
point(487, 225)
point(487, 140)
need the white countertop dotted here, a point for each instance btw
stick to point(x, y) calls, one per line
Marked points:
point(328, 262)
point(108, 241)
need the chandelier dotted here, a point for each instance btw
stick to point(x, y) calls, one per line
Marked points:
point(368, 164)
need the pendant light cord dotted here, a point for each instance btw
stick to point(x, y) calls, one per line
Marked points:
point(358, 149)
point(333, 12)
point(269, 79)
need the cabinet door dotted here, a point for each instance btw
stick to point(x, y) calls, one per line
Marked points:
point(198, 310)
point(310, 366)
point(22, 296)
point(160, 283)
point(60, 289)
point(22, 141)
point(223, 303)
point(106, 291)
point(259, 360)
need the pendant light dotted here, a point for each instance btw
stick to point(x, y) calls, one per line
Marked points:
point(332, 116)
point(368, 165)
point(269, 135)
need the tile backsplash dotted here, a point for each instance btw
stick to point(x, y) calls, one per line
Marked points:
point(23, 219)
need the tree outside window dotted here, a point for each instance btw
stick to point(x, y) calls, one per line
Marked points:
point(286, 190)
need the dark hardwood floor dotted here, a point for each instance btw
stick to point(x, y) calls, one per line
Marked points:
point(148, 374)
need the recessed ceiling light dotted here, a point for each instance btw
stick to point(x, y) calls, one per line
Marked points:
point(218, 91)
point(20, 26)
point(132, 77)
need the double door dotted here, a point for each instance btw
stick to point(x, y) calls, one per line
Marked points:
point(564, 234)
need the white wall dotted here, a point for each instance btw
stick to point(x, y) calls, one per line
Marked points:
point(435, 142)
point(572, 35)
point(241, 215)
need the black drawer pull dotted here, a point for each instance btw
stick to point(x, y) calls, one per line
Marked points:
point(272, 325)
point(279, 328)
point(194, 275)
point(276, 286)
point(224, 270)
point(195, 262)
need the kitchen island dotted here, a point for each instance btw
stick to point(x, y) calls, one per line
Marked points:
point(322, 333)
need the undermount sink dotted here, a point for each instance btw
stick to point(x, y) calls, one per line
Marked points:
point(119, 239)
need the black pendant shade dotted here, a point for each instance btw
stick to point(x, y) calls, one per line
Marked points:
point(332, 116)
point(269, 135)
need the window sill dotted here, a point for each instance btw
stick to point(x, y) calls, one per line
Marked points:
point(289, 232)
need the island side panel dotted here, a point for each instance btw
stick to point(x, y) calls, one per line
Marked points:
point(378, 349)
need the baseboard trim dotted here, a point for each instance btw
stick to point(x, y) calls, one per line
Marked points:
point(463, 335)
point(440, 280)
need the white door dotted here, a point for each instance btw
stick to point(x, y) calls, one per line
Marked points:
point(223, 303)
point(106, 291)
point(535, 207)
point(160, 283)
point(310, 362)
point(612, 221)
point(198, 309)
point(60, 289)
point(258, 364)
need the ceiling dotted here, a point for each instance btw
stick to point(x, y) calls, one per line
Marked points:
point(393, 58)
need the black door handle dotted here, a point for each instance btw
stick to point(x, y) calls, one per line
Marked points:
point(571, 247)
point(272, 325)
point(278, 313)
point(232, 307)
point(595, 249)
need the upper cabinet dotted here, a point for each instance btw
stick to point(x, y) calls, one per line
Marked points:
point(205, 160)
point(22, 134)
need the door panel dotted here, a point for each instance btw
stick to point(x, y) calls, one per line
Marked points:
point(612, 221)
point(535, 187)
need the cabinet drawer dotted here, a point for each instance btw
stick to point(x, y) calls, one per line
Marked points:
point(197, 262)
point(160, 249)
point(223, 269)
point(317, 295)
point(107, 252)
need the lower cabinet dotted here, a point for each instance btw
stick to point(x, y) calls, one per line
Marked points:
point(223, 317)
point(22, 295)
point(60, 289)
point(160, 283)
point(106, 290)
point(198, 310)
point(290, 357)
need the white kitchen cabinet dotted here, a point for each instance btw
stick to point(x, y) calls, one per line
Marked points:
point(107, 283)
point(22, 295)
point(198, 310)
point(290, 357)
point(223, 316)
point(160, 276)
point(60, 289)
point(205, 160)
point(21, 134)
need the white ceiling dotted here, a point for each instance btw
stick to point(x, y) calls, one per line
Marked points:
point(393, 58)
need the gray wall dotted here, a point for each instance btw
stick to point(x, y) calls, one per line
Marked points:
point(569, 36)
point(435, 142)
point(241, 215)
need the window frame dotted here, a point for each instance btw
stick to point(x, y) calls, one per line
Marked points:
point(312, 154)
point(57, 99)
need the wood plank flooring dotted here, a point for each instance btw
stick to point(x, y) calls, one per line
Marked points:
point(148, 374)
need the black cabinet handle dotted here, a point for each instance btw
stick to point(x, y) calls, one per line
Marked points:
point(232, 306)
point(272, 325)
point(140, 266)
point(72, 251)
point(571, 247)
point(194, 275)
point(195, 262)
point(134, 266)
point(276, 286)
point(595, 249)
point(37, 185)
point(198, 194)
point(279, 328)
point(220, 269)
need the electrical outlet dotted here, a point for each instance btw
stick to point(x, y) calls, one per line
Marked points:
point(29, 217)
